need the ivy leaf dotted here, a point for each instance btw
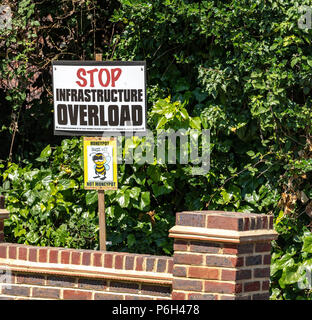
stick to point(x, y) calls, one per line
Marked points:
point(307, 244)
point(145, 201)
point(45, 154)
point(200, 95)
point(123, 198)
point(131, 240)
point(91, 197)
point(196, 123)
point(135, 193)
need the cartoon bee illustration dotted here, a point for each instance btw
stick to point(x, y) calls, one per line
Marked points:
point(101, 165)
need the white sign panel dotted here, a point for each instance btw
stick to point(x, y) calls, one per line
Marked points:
point(99, 98)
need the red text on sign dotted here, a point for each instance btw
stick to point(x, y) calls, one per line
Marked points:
point(105, 77)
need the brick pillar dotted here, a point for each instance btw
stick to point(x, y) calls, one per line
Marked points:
point(3, 215)
point(221, 255)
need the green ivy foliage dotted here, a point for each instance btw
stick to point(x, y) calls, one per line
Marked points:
point(240, 68)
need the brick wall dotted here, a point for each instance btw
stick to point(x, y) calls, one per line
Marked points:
point(221, 256)
point(217, 256)
point(58, 273)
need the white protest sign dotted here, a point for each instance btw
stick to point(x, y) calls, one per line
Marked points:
point(99, 98)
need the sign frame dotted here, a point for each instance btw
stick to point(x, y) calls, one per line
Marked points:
point(113, 162)
point(56, 63)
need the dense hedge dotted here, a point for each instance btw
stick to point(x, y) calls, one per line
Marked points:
point(240, 68)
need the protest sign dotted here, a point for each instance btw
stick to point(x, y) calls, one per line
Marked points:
point(95, 98)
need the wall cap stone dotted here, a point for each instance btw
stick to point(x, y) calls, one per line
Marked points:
point(86, 271)
point(221, 235)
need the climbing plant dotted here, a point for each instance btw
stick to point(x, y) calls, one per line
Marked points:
point(240, 68)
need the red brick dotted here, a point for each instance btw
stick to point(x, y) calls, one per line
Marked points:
point(265, 285)
point(161, 265)
point(30, 278)
point(75, 257)
point(12, 252)
point(178, 295)
point(16, 290)
point(108, 260)
point(238, 288)
point(204, 247)
point(191, 219)
point(221, 287)
point(253, 260)
point(118, 261)
point(230, 249)
point(97, 259)
point(246, 224)
point(270, 222)
point(263, 247)
point(180, 245)
point(185, 284)
point(252, 223)
point(169, 265)
point(65, 256)
point(1, 225)
point(224, 222)
point(86, 258)
point(265, 223)
point(46, 293)
point(258, 222)
point(43, 255)
point(245, 248)
point(139, 264)
point(228, 275)
point(251, 286)
point(22, 253)
point(182, 258)
point(1, 237)
point(221, 261)
point(129, 263)
point(267, 259)
point(76, 295)
point(53, 256)
point(3, 250)
point(243, 274)
point(203, 273)
point(262, 272)
point(150, 263)
point(179, 271)
point(32, 256)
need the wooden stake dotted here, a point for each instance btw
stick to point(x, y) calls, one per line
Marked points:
point(102, 222)
point(101, 199)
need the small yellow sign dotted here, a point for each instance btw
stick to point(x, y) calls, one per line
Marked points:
point(100, 163)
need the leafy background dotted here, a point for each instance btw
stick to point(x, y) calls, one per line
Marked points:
point(240, 68)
